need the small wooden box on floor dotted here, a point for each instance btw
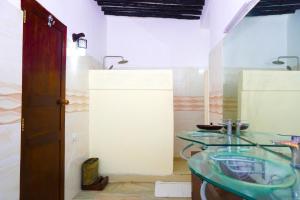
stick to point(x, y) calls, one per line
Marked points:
point(90, 176)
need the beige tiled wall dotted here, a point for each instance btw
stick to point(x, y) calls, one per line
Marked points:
point(216, 84)
point(231, 79)
point(188, 102)
point(77, 120)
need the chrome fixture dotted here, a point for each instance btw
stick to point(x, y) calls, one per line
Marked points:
point(294, 145)
point(51, 21)
point(238, 127)
point(228, 124)
point(280, 62)
point(123, 61)
point(202, 190)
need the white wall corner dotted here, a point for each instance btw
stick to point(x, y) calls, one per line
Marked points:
point(239, 16)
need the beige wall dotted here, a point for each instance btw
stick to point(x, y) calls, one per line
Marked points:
point(188, 102)
point(269, 101)
point(230, 87)
point(216, 84)
point(131, 121)
point(77, 121)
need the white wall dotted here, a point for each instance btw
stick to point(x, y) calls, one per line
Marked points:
point(158, 43)
point(10, 100)
point(256, 42)
point(16, 3)
point(293, 41)
point(217, 16)
point(80, 16)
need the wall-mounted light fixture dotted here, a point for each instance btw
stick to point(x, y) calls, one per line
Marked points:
point(80, 41)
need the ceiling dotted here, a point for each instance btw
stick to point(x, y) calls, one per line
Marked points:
point(275, 7)
point(176, 9)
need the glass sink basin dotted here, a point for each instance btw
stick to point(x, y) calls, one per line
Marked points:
point(235, 168)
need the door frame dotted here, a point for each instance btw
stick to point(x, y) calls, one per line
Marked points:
point(38, 9)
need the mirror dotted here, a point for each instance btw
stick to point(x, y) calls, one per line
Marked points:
point(261, 78)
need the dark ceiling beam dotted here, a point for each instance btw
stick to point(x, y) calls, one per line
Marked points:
point(270, 12)
point(294, 7)
point(275, 7)
point(267, 3)
point(143, 5)
point(179, 2)
point(152, 10)
point(148, 14)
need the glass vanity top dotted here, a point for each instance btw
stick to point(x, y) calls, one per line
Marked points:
point(249, 172)
point(210, 138)
point(263, 139)
point(219, 138)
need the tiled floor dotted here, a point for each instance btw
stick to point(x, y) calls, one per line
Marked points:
point(133, 190)
point(181, 167)
point(124, 191)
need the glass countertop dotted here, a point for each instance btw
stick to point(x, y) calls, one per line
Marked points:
point(263, 138)
point(210, 138)
point(220, 138)
point(256, 174)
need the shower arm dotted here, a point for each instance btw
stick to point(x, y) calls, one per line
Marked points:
point(105, 57)
point(290, 57)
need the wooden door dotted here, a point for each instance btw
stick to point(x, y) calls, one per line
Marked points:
point(43, 112)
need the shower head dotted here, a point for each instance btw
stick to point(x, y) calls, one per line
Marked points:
point(278, 62)
point(123, 62)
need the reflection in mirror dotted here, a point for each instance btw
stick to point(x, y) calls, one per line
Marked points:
point(261, 80)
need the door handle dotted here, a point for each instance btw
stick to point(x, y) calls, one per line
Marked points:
point(63, 102)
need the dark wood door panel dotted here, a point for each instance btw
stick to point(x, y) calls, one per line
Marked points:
point(42, 145)
point(41, 65)
point(42, 140)
point(37, 120)
point(44, 162)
